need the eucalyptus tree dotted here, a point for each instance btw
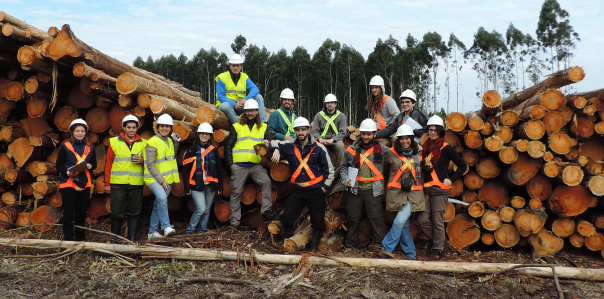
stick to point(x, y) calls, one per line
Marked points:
point(555, 32)
point(433, 42)
point(457, 49)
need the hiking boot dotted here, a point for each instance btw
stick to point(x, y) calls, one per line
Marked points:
point(169, 231)
point(314, 241)
point(382, 255)
point(269, 216)
point(155, 234)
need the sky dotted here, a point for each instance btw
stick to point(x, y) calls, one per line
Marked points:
point(125, 29)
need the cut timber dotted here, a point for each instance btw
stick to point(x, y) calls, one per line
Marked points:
point(598, 220)
point(476, 209)
point(46, 188)
point(22, 152)
point(456, 188)
point(545, 244)
point(161, 105)
point(518, 202)
point(587, 111)
point(491, 220)
point(64, 117)
point(45, 215)
point(599, 128)
point(332, 243)
point(11, 133)
point(551, 99)
point(248, 196)
point(333, 221)
point(472, 139)
point(539, 187)
point(216, 118)
point(473, 181)
point(470, 156)
point(9, 214)
point(178, 189)
point(449, 212)
point(97, 208)
point(521, 171)
point(275, 227)
point(535, 203)
point(14, 92)
point(6, 163)
point(475, 123)
point(280, 172)
point(32, 32)
point(536, 149)
point(17, 177)
point(185, 130)
point(488, 168)
point(36, 106)
point(567, 201)
point(529, 221)
point(487, 129)
point(576, 102)
point(535, 112)
point(597, 102)
point(451, 138)
point(553, 121)
point(576, 240)
point(504, 133)
point(581, 127)
point(494, 193)
point(48, 141)
point(493, 143)
point(585, 229)
point(592, 148)
point(222, 210)
point(491, 103)
point(508, 154)
point(521, 145)
point(23, 219)
point(299, 240)
point(594, 242)
point(560, 143)
point(81, 69)
point(220, 135)
point(508, 118)
point(462, 231)
point(98, 119)
point(532, 129)
point(507, 236)
point(10, 198)
point(563, 227)
point(550, 169)
point(129, 82)
point(507, 214)
point(456, 121)
point(487, 238)
point(570, 174)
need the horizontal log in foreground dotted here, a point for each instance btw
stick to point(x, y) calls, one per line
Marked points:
point(156, 251)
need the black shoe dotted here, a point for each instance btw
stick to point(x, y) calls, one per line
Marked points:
point(288, 232)
point(315, 240)
point(116, 227)
point(436, 254)
point(132, 227)
point(269, 216)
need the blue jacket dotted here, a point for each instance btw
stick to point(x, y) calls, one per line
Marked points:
point(277, 124)
point(319, 161)
point(221, 91)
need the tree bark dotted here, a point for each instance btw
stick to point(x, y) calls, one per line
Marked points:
point(161, 105)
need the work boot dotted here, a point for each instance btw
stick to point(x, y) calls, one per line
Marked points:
point(269, 216)
point(116, 227)
point(132, 227)
point(288, 232)
point(316, 238)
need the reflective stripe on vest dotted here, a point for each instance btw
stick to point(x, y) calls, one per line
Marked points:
point(165, 162)
point(330, 123)
point(290, 126)
point(313, 179)
point(381, 123)
point(233, 92)
point(365, 160)
point(435, 181)
point(243, 151)
point(407, 164)
point(203, 166)
point(80, 159)
point(123, 171)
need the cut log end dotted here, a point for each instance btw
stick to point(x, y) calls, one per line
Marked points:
point(576, 240)
point(493, 143)
point(563, 227)
point(462, 231)
point(476, 209)
point(504, 133)
point(595, 242)
point(569, 201)
point(456, 121)
point(473, 181)
point(545, 244)
point(507, 236)
point(529, 221)
point(491, 220)
point(487, 238)
point(507, 214)
point(126, 83)
point(488, 168)
point(508, 155)
point(280, 172)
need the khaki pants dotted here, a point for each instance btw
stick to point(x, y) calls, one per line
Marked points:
point(431, 221)
point(239, 175)
point(373, 207)
point(336, 152)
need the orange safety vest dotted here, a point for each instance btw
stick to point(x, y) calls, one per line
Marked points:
point(203, 166)
point(381, 123)
point(364, 160)
point(313, 179)
point(435, 181)
point(407, 164)
point(80, 159)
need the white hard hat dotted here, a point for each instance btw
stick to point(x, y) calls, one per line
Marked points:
point(368, 125)
point(376, 81)
point(236, 59)
point(435, 120)
point(301, 122)
point(404, 130)
point(205, 128)
point(130, 117)
point(330, 98)
point(78, 121)
point(250, 104)
point(408, 94)
point(165, 119)
point(287, 94)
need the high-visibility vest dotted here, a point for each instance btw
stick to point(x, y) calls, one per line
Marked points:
point(290, 125)
point(233, 92)
point(435, 181)
point(330, 123)
point(303, 165)
point(365, 160)
point(243, 151)
point(82, 158)
point(165, 161)
point(407, 164)
point(381, 123)
point(123, 171)
point(203, 167)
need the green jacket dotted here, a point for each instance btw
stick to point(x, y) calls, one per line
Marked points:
point(277, 124)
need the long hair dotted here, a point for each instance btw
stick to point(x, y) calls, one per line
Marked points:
point(375, 102)
point(243, 120)
point(72, 129)
point(399, 149)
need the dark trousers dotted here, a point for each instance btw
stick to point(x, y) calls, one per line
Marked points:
point(373, 206)
point(75, 205)
point(314, 199)
point(126, 202)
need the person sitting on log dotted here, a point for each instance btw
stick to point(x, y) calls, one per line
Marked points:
point(124, 176)
point(203, 174)
point(161, 171)
point(312, 173)
point(408, 100)
point(231, 89)
point(366, 155)
point(405, 192)
point(242, 160)
point(75, 185)
point(437, 155)
point(381, 106)
point(283, 126)
point(329, 128)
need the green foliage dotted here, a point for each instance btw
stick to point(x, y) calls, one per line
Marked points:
point(555, 32)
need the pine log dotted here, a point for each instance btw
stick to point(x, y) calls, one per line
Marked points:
point(78, 99)
point(16, 177)
point(570, 175)
point(6, 107)
point(476, 209)
point(592, 148)
point(545, 244)
point(470, 156)
point(581, 161)
point(280, 172)
point(116, 115)
point(576, 102)
point(449, 212)
point(33, 87)
point(493, 143)
point(507, 236)
point(550, 169)
point(587, 111)
point(532, 129)
point(518, 202)
point(299, 240)
point(508, 118)
point(595, 242)
point(529, 221)
point(332, 243)
point(161, 105)
point(129, 82)
point(22, 152)
point(185, 130)
point(48, 140)
point(52, 158)
point(491, 220)
point(98, 119)
point(249, 194)
point(6, 163)
point(488, 168)
point(16, 33)
point(585, 229)
point(521, 145)
point(539, 187)
point(535, 203)
point(475, 122)
point(9, 214)
point(504, 133)
point(494, 193)
point(472, 139)
point(535, 112)
point(598, 220)
point(521, 171)
point(216, 118)
point(9, 198)
point(222, 211)
point(220, 135)
point(567, 201)
point(597, 102)
point(36, 106)
point(64, 117)
point(508, 155)
point(563, 227)
point(456, 121)
point(82, 69)
point(456, 188)
point(46, 188)
point(333, 221)
point(12, 132)
point(97, 208)
point(576, 240)
point(31, 31)
point(14, 92)
point(487, 129)
point(44, 215)
point(507, 214)
point(536, 149)
point(473, 181)
point(23, 219)
point(451, 138)
point(581, 127)
point(9, 45)
point(560, 143)
point(553, 121)
point(462, 231)
point(491, 104)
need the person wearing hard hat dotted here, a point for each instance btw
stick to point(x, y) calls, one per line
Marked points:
point(437, 155)
point(311, 175)
point(231, 89)
point(405, 192)
point(381, 106)
point(202, 175)
point(124, 176)
point(161, 171)
point(242, 160)
point(329, 128)
point(75, 185)
point(366, 155)
point(283, 118)
point(408, 100)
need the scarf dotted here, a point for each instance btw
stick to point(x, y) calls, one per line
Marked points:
point(377, 152)
point(408, 153)
point(209, 161)
point(433, 147)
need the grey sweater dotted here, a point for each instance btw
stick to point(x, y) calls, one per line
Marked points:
point(152, 156)
point(389, 111)
point(319, 123)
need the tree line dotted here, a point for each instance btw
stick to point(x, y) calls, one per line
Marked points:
point(504, 61)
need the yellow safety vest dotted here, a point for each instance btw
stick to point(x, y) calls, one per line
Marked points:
point(246, 139)
point(233, 92)
point(165, 161)
point(123, 171)
point(330, 123)
point(290, 127)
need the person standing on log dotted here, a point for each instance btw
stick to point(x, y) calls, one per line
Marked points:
point(329, 128)
point(231, 89)
point(405, 192)
point(75, 185)
point(124, 176)
point(312, 173)
point(408, 100)
point(381, 106)
point(437, 155)
point(203, 174)
point(366, 155)
point(242, 160)
point(283, 125)
point(161, 171)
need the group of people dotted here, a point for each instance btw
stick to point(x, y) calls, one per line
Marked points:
point(418, 179)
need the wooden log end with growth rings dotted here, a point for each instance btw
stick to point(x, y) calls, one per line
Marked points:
point(536, 149)
point(508, 118)
point(571, 175)
point(280, 172)
point(493, 143)
point(532, 129)
point(563, 227)
point(491, 220)
point(504, 133)
point(473, 139)
point(487, 238)
point(508, 155)
point(473, 181)
point(539, 187)
point(545, 244)
point(494, 193)
point(529, 221)
point(470, 156)
point(487, 168)
point(560, 143)
point(462, 231)
point(569, 201)
point(595, 242)
point(521, 145)
point(45, 215)
point(507, 236)
point(476, 209)
point(507, 214)
point(576, 240)
point(449, 212)
point(456, 121)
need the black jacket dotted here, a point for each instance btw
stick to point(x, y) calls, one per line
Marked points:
point(186, 169)
point(232, 139)
point(441, 168)
point(415, 114)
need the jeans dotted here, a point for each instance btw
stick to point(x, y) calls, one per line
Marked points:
point(160, 207)
point(232, 114)
point(400, 232)
point(203, 202)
